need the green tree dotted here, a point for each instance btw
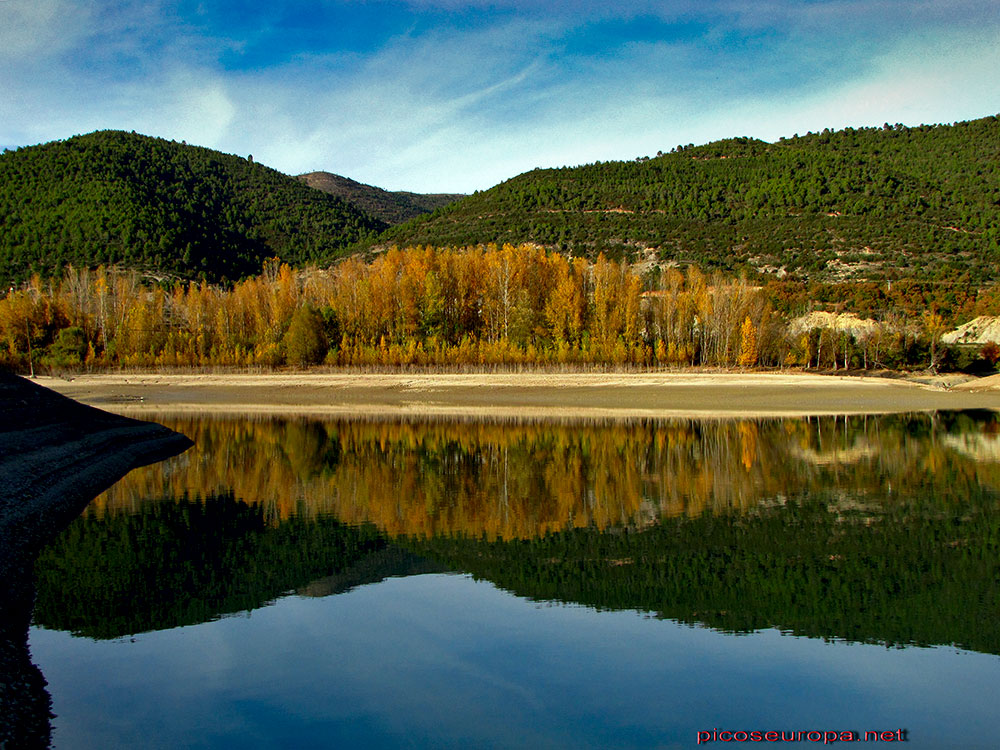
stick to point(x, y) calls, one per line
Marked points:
point(305, 340)
point(68, 349)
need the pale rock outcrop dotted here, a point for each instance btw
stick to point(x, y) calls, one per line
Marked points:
point(849, 322)
point(981, 330)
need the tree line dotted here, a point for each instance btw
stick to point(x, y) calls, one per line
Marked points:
point(479, 306)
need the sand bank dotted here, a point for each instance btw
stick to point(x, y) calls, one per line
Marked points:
point(535, 395)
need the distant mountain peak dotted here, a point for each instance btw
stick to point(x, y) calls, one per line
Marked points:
point(390, 207)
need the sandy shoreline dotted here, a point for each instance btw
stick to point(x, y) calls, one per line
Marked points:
point(534, 395)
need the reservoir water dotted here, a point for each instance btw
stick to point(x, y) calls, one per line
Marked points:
point(434, 584)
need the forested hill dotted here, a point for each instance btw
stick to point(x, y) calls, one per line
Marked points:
point(148, 203)
point(858, 203)
point(390, 207)
point(875, 203)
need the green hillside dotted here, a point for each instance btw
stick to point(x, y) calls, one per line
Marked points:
point(115, 197)
point(854, 204)
point(390, 207)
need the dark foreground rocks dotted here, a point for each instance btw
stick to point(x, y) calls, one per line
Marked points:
point(56, 455)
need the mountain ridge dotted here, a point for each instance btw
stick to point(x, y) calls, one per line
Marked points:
point(858, 204)
point(392, 207)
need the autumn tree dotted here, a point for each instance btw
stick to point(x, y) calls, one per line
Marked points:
point(748, 344)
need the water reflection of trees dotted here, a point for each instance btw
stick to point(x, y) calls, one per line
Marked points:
point(183, 561)
point(908, 573)
point(881, 529)
point(521, 480)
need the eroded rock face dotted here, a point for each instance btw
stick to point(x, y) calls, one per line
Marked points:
point(846, 322)
point(982, 330)
point(55, 456)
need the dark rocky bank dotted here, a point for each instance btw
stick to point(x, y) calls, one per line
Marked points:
point(56, 455)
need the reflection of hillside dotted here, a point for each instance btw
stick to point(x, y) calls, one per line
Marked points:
point(904, 574)
point(180, 562)
point(721, 523)
point(523, 480)
point(389, 562)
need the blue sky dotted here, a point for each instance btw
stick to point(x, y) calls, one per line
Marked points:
point(447, 96)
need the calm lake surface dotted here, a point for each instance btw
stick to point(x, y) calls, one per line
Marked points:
point(364, 583)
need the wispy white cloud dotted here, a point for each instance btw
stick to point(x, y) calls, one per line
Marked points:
point(182, 103)
point(459, 101)
point(40, 30)
point(921, 79)
point(400, 115)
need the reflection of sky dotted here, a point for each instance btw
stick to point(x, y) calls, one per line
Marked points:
point(442, 96)
point(443, 661)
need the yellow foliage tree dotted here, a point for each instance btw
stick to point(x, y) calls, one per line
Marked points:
point(748, 344)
